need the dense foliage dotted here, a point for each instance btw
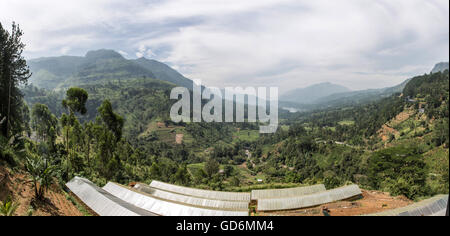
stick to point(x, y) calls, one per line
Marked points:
point(115, 126)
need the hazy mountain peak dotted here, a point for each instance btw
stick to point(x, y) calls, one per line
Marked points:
point(440, 67)
point(99, 66)
point(312, 93)
point(103, 54)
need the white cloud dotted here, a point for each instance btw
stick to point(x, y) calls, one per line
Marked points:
point(143, 51)
point(64, 50)
point(125, 54)
point(290, 43)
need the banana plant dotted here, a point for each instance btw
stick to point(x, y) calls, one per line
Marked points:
point(42, 173)
point(8, 208)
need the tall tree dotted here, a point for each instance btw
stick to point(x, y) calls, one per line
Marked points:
point(13, 72)
point(75, 102)
point(43, 121)
point(113, 121)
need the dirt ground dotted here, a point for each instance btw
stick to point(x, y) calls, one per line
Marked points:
point(385, 131)
point(372, 202)
point(20, 189)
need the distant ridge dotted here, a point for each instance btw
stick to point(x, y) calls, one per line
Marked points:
point(312, 93)
point(98, 66)
point(440, 67)
point(164, 72)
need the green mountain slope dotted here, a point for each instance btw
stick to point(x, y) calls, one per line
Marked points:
point(49, 72)
point(100, 66)
point(139, 101)
point(398, 144)
point(164, 72)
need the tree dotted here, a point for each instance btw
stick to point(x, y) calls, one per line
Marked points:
point(113, 121)
point(13, 72)
point(228, 170)
point(211, 167)
point(41, 171)
point(44, 122)
point(89, 132)
point(441, 133)
point(75, 101)
point(399, 170)
point(182, 176)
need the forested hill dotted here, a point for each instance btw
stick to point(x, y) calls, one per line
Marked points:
point(98, 66)
point(139, 101)
point(407, 132)
point(351, 98)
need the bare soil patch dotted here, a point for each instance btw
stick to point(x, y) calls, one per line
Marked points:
point(20, 189)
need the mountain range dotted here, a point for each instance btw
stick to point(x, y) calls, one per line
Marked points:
point(330, 95)
point(311, 94)
point(440, 67)
point(105, 66)
point(98, 66)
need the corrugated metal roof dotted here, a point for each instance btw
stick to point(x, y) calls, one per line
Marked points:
point(287, 192)
point(194, 201)
point(310, 200)
point(163, 207)
point(435, 206)
point(102, 202)
point(200, 193)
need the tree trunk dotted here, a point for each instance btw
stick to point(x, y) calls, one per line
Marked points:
point(7, 121)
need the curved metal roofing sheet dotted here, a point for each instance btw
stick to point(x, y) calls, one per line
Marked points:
point(435, 206)
point(190, 200)
point(208, 194)
point(310, 200)
point(102, 202)
point(163, 207)
point(287, 192)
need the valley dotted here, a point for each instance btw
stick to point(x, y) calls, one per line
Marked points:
point(121, 131)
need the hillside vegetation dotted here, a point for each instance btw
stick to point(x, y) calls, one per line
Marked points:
point(107, 120)
point(100, 66)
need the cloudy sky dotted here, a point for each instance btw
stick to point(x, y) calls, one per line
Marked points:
point(287, 43)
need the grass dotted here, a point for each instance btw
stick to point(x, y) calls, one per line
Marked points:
point(78, 205)
point(247, 174)
point(192, 168)
point(239, 171)
point(167, 134)
point(437, 163)
point(285, 127)
point(246, 135)
point(347, 122)
point(262, 186)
